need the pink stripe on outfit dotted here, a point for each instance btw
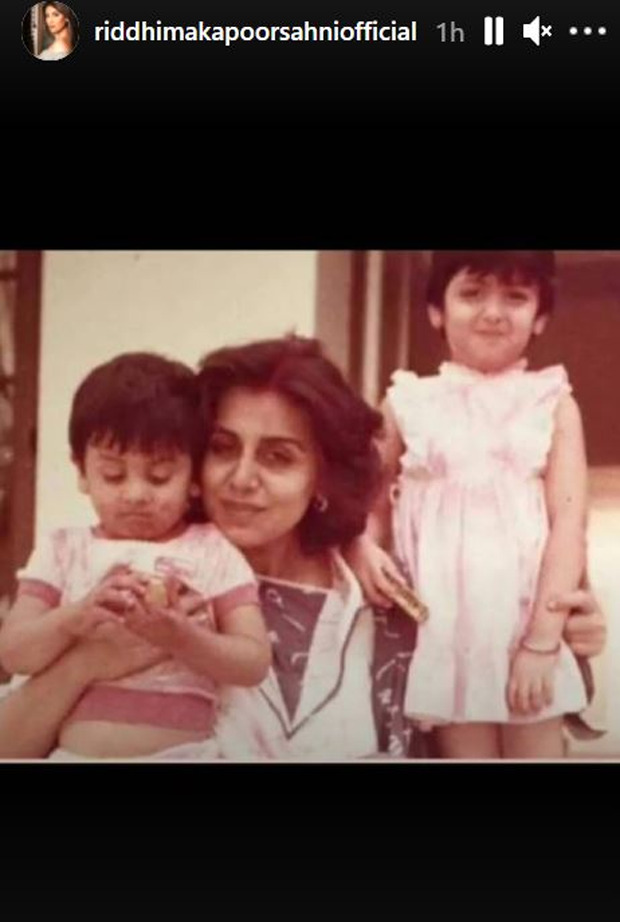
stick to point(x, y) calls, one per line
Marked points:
point(69, 562)
point(241, 595)
point(157, 709)
point(39, 590)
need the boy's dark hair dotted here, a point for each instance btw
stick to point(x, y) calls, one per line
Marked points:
point(510, 266)
point(141, 401)
point(342, 424)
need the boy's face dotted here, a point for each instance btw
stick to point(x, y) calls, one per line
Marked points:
point(487, 322)
point(136, 495)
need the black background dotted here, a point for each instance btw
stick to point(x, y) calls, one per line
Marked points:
point(464, 186)
point(437, 831)
point(566, 81)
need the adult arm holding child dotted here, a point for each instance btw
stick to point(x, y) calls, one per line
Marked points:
point(31, 715)
point(586, 627)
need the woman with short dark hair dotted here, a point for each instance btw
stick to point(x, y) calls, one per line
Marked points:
point(289, 474)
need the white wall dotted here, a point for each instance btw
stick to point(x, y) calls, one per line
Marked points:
point(183, 304)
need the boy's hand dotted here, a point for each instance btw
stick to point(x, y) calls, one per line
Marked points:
point(165, 626)
point(101, 613)
point(190, 603)
point(530, 687)
point(105, 661)
point(369, 562)
point(116, 634)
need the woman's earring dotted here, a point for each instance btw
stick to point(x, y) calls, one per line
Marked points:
point(320, 503)
point(192, 494)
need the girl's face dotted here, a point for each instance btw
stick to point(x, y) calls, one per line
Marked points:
point(136, 495)
point(260, 471)
point(55, 20)
point(487, 322)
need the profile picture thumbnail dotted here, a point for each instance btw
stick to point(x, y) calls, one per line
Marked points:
point(50, 31)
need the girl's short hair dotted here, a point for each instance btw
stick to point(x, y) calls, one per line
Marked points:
point(140, 401)
point(342, 424)
point(510, 266)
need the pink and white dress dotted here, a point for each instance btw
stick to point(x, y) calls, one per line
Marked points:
point(69, 562)
point(470, 526)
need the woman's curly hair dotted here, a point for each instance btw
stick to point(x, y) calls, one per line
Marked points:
point(344, 427)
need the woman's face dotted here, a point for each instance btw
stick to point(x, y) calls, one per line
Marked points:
point(261, 469)
point(55, 20)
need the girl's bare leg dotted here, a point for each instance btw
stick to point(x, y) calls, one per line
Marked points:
point(541, 740)
point(469, 741)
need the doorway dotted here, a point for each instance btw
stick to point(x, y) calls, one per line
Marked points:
point(20, 297)
point(372, 316)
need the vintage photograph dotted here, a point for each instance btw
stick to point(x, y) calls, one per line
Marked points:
point(318, 506)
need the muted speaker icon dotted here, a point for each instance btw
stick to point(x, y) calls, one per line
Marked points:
point(533, 30)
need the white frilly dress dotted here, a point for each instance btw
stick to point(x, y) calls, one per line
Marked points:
point(470, 527)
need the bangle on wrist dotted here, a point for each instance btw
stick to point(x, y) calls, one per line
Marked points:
point(542, 651)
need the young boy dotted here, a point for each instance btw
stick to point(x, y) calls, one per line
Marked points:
point(137, 442)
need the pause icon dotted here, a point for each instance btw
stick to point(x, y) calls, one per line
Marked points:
point(493, 30)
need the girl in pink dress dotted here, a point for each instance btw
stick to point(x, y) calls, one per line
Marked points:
point(486, 491)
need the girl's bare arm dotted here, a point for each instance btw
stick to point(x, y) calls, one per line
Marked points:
point(564, 559)
point(391, 448)
point(366, 554)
